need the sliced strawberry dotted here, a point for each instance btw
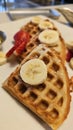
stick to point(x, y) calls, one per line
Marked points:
point(20, 48)
point(21, 38)
point(10, 52)
point(21, 35)
point(69, 55)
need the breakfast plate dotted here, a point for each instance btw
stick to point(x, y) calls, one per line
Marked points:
point(13, 115)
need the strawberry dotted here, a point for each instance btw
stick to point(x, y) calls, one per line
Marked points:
point(69, 55)
point(21, 35)
point(21, 38)
point(10, 52)
point(20, 48)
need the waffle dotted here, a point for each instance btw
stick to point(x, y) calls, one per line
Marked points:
point(50, 100)
point(34, 32)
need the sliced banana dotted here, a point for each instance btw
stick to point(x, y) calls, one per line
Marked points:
point(49, 37)
point(69, 44)
point(45, 24)
point(34, 72)
point(36, 20)
point(71, 63)
point(2, 58)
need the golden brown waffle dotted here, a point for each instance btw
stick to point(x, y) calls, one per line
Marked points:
point(31, 28)
point(49, 100)
point(34, 32)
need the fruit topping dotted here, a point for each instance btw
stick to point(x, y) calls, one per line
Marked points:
point(20, 48)
point(69, 55)
point(45, 24)
point(49, 37)
point(21, 38)
point(36, 20)
point(21, 35)
point(10, 52)
point(34, 72)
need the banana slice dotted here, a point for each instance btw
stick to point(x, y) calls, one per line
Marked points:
point(36, 20)
point(71, 63)
point(33, 72)
point(2, 58)
point(45, 24)
point(49, 37)
point(69, 45)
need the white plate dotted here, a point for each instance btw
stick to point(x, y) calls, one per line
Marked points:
point(13, 116)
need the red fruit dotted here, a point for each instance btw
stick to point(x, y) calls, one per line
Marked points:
point(21, 35)
point(20, 48)
point(69, 55)
point(10, 52)
point(21, 38)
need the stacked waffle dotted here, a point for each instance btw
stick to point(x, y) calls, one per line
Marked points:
point(41, 81)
